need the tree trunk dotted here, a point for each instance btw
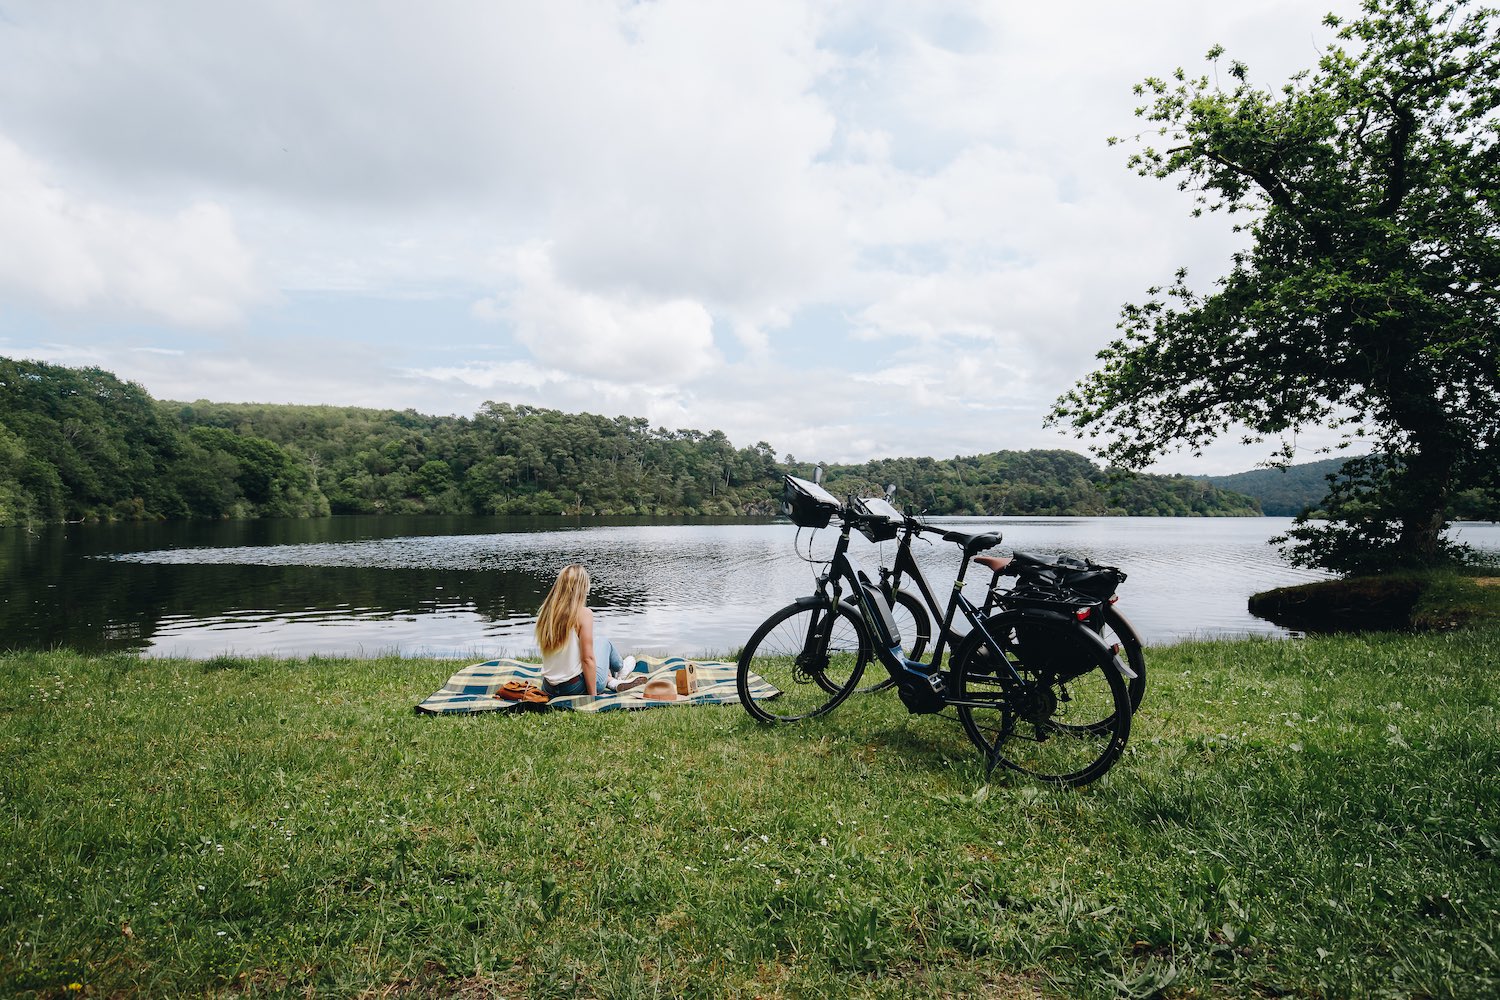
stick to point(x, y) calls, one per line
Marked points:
point(1422, 487)
point(1422, 495)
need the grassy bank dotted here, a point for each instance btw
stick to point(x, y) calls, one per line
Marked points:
point(1420, 600)
point(1309, 818)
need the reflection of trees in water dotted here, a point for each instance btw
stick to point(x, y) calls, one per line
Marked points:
point(90, 604)
point(61, 586)
point(53, 594)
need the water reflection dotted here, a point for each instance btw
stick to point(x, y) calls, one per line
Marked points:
point(468, 587)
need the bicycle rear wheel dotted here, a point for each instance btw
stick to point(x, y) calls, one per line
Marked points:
point(915, 629)
point(811, 656)
point(1068, 720)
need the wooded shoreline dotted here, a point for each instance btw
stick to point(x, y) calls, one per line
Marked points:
point(80, 444)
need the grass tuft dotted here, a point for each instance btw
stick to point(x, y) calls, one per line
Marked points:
point(1309, 818)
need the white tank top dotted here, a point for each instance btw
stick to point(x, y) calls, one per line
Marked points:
point(563, 663)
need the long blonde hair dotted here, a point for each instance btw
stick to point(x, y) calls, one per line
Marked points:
point(560, 611)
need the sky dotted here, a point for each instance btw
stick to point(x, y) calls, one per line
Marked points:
point(851, 230)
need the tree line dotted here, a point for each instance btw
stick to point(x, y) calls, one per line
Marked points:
point(80, 444)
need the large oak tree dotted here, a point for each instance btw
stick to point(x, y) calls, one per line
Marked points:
point(1369, 296)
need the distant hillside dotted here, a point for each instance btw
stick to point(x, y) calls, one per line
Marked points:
point(81, 445)
point(1287, 492)
point(1283, 492)
point(1056, 483)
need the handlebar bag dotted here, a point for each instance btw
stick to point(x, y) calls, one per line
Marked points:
point(807, 504)
point(879, 521)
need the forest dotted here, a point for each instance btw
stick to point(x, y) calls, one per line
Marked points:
point(79, 444)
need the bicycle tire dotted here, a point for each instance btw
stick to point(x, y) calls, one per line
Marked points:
point(1068, 724)
point(1118, 630)
point(915, 627)
point(779, 654)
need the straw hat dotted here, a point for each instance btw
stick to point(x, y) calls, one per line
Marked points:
point(660, 689)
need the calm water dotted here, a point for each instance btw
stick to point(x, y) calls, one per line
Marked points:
point(468, 587)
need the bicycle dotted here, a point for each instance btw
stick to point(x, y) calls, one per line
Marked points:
point(1069, 585)
point(1033, 690)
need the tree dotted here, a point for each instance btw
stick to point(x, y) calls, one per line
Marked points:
point(1369, 297)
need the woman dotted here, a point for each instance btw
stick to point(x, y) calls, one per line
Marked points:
point(574, 660)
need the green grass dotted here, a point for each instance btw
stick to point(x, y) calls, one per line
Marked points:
point(1315, 818)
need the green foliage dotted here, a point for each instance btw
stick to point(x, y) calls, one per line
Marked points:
point(506, 460)
point(85, 444)
point(1286, 491)
point(1053, 483)
point(63, 434)
point(1369, 298)
point(17, 505)
point(1309, 819)
point(79, 444)
point(1358, 529)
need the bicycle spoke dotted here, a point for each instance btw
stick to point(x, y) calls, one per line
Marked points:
point(810, 661)
point(1068, 717)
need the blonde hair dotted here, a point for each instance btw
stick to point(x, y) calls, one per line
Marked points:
point(560, 611)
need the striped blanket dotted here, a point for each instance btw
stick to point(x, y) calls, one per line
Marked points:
point(473, 688)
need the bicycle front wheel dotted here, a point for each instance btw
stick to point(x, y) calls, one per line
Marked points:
point(1066, 721)
point(810, 655)
point(915, 628)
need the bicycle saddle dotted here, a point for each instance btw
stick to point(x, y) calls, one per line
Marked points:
point(973, 543)
point(1015, 565)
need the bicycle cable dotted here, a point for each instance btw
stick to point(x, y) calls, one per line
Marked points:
point(809, 557)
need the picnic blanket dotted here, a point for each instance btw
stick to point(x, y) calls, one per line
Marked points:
point(473, 688)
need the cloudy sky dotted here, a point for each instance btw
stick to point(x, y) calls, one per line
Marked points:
point(851, 230)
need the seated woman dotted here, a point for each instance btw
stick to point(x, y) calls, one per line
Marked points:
point(574, 660)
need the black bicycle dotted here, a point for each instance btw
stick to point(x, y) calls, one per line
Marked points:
point(1035, 691)
point(1069, 586)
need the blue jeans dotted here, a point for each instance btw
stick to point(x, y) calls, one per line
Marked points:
point(607, 663)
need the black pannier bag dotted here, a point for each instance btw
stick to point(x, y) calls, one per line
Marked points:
point(807, 504)
point(1089, 578)
point(1099, 583)
point(1060, 602)
point(1046, 652)
point(884, 521)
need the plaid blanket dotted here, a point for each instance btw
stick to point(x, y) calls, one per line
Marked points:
point(473, 688)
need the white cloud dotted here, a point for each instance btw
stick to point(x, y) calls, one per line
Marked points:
point(901, 221)
point(625, 337)
point(187, 268)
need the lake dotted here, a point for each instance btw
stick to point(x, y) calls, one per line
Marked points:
point(468, 587)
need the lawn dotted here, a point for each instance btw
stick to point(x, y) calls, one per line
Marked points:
point(1314, 818)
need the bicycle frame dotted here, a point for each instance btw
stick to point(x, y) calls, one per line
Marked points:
point(922, 686)
point(905, 566)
